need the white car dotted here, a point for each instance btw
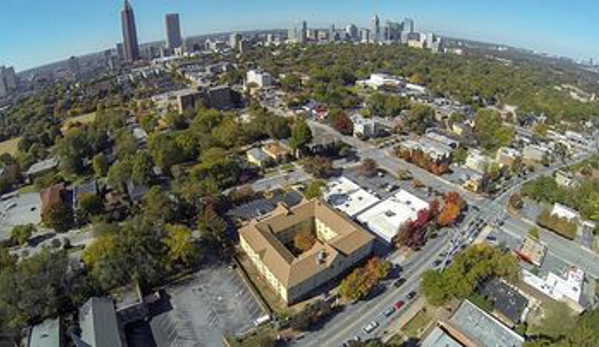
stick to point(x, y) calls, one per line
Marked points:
point(371, 327)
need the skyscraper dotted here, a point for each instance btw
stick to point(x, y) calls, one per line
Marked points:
point(376, 29)
point(352, 32)
point(130, 44)
point(408, 25)
point(173, 31)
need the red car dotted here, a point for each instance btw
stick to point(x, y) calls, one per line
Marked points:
point(399, 304)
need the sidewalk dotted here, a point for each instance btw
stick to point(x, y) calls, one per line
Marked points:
point(404, 318)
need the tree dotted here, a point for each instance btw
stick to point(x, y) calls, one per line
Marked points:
point(212, 227)
point(100, 165)
point(460, 155)
point(159, 206)
point(369, 167)
point(141, 171)
point(341, 122)
point(301, 135)
point(91, 205)
point(304, 240)
point(119, 173)
point(490, 131)
point(314, 190)
point(58, 217)
point(360, 282)
point(320, 167)
point(22, 233)
point(421, 117)
point(181, 248)
point(534, 233)
point(516, 201)
point(126, 144)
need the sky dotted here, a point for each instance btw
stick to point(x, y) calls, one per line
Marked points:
point(36, 32)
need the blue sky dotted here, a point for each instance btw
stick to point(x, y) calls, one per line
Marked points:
point(34, 32)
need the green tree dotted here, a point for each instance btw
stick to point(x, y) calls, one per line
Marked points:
point(301, 135)
point(91, 205)
point(314, 190)
point(141, 172)
point(58, 217)
point(100, 165)
point(159, 206)
point(181, 248)
point(22, 233)
point(421, 117)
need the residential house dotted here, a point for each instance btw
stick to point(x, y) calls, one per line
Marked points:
point(509, 305)
point(507, 156)
point(46, 334)
point(41, 168)
point(477, 161)
point(566, 179)
point(277, 151)
point(258, 157)
point(535, 154)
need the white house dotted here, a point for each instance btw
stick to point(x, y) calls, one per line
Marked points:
point(261, 78)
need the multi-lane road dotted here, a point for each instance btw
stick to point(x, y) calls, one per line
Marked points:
point(350, 323)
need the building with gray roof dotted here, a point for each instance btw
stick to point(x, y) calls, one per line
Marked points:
point(46, 334)
point(99, 324)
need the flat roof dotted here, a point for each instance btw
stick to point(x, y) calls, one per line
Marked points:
point(556, 286)
point(532, 251)
point(385, 218)
point(347, 196)
point(484, 328)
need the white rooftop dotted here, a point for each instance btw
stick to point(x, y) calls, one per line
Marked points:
point(564, 212)
point(348, 197)
point(385, 218)
point(557, 287)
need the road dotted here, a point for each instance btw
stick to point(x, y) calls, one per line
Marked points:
point(350, 322)
point(391, 163)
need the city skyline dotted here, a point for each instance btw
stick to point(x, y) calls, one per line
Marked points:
point(558, 28)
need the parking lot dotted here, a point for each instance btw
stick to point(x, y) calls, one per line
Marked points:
point(384, 184)
point(21, 209)
point(213, 303)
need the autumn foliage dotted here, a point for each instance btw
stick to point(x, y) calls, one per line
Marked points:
point(358, 284)
point(452, 209)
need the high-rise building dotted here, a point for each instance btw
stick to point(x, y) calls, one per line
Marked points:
point(234, 40)
point(408, 25)
point(332, 33)
point(376, 29)
point(130, 44)
point(352, 32)
point(173, 31)
point(298, 33)
point(8, 80)
point(365, 36)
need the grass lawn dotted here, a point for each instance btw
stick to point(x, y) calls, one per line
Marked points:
point(10, 146)
point(417, 325)
point(28, 189)
point(83, 119)
point(263, 336)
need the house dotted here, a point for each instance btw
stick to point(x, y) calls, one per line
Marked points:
point(323, 144)
point(52, 196)
point(46, 334)
point(509, 305)
point(41, 168)
point(340, 245)
point(442, 139)
point(82, 190)
point(366, 128)
point(260, 78)
point(473, 181)
point(477, 161)
point(440, 337)
point(532, 251)
point(348, 197)
point(535, 154)
point(99, 324)
point(507, 156)
point(258, 157)
point(461, 129)
point(386, 218)
point(136, 192)
point(566, 179)
point(277, 151)
point(130, 305)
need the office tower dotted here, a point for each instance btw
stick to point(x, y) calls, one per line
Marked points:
point(332, 33)
point(298, 33)
point(352, 32)
point(120, 51)
point(365, 36)
point(408, 25)
point(376, 29)
point(130, 44)
point(8, 80)
point(304, 32)
point(244, 46)
point(234, 40)
point(173, 31)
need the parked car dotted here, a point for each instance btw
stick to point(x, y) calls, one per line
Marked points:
point(389, 311)
point(398, 305)
point(400, 282)
point(411, 295)
point(370, 327)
